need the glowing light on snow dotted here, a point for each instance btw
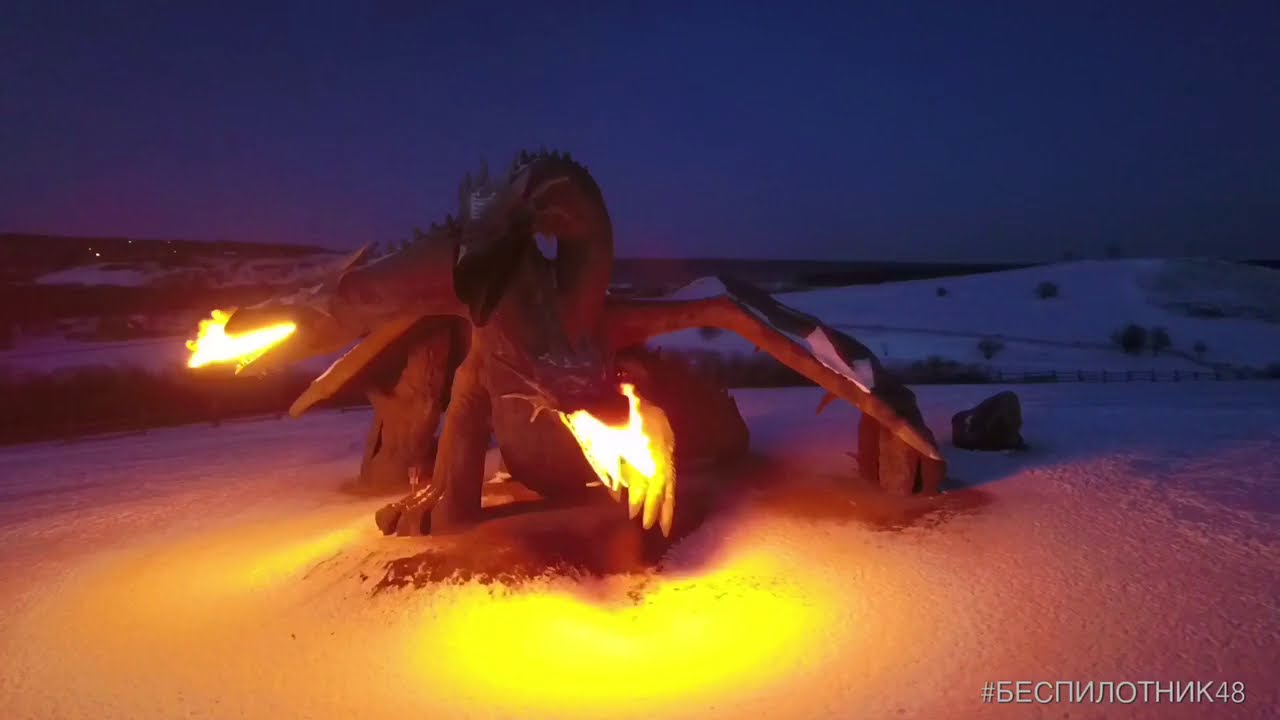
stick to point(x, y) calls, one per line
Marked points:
point(297, 557)
point(213, 345)
point(686, 638)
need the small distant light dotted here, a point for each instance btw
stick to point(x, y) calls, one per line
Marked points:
point(97, 254)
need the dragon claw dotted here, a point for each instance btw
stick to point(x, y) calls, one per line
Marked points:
point(538, 405)
point(410, 515)
point(415, 520)
point(827, 399)
point(635, 500)
point(388, 517)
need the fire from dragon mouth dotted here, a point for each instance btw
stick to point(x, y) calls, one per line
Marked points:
point(636, 455)
point(612, 449)
point(213, 345)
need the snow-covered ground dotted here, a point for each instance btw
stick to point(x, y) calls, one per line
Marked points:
point(218, 573)
point(909, 321)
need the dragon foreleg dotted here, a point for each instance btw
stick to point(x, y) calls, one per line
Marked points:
point(452, 497)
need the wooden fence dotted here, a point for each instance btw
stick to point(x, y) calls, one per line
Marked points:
point(1104, 376)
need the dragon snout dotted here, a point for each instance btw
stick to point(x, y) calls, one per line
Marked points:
point(568, 389)
point(604, 401)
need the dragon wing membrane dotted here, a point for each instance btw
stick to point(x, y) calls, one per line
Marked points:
point(833, 360)
point(347, 366)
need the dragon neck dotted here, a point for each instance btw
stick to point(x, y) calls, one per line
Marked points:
point(583, 269)
point(569, 206)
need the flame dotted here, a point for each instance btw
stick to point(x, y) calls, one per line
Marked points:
point(213, 344)
point(611, 449)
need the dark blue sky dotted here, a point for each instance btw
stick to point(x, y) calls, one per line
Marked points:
point(947, 131)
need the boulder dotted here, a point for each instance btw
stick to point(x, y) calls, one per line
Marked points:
point(993, 424)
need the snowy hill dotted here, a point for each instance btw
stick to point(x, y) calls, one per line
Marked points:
point(1233, 309)
point(219, 573)
point(203, 271)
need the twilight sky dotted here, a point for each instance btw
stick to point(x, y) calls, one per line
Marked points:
point(912, 131)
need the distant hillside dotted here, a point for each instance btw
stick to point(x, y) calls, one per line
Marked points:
point(649, 276)
point(48, 277)
point(25, 257)
point(1061, 316)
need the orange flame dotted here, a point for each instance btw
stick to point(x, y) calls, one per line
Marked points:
point(612, 448)
point(213, 345)
point(637, 455)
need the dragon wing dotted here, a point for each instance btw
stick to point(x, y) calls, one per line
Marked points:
point(841, 365)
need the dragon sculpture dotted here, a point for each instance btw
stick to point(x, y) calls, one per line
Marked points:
point(473, 317)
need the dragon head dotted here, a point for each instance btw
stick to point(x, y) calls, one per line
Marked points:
point(529, 338)
point(543, 194)
point(543, 311)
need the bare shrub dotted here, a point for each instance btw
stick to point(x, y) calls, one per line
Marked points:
point(1159, 340)
point(1132, 338)
point(990, 347)
point(1046, 290)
